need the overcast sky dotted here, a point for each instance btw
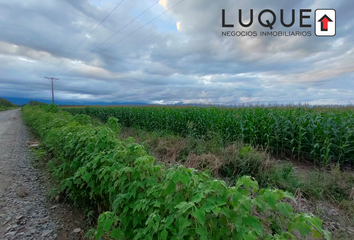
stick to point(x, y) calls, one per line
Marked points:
point(181, 56)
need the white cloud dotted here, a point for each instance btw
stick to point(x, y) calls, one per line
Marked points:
point(179, 26)
point(163, 3)
point(26, 60)
point(180, 56)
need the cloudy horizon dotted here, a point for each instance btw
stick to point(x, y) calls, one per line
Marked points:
point(180, 56)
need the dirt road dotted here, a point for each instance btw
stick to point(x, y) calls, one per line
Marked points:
point(5, 123)
point(23, 214)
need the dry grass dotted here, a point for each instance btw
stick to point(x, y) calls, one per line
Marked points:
point(225, 162)
point(327, 193)
point(205, 162)
point(167, 151)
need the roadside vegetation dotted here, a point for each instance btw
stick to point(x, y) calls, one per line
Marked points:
point(232, 160)
point(139, 197)
point(320, 135)
point(36, 103)
point(229, 162)
point(6, 105)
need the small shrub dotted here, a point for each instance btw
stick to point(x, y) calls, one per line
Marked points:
point(52, 108)
point(82, 119)
point(113, 124)
point(246, 161)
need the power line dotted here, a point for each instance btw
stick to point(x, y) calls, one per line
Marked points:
point(130, 33)
point(89, 34)
point(143, 26)
point(120, 30)
point(113, 35)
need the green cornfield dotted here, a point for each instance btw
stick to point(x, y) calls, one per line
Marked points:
point(320, 135)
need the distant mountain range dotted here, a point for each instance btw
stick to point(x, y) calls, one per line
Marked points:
point(22, 101)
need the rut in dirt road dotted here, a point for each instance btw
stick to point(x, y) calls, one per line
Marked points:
point(22, 200)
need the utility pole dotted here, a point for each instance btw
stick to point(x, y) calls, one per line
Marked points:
point(52, 80)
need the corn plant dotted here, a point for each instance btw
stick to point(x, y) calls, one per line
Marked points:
point(324, 135)
point(139, 199)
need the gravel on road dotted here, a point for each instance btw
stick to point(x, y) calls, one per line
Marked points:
point(25, 211)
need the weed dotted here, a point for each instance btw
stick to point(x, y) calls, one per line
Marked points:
point(96, 122)
point(113, 124)
point(137, 198)
point(82, 119)
point(234, 160)
point(37, 156)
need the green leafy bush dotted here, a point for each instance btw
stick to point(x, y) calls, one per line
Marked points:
point(51, 108)
point(139, 199)
point(113, 124)
point(4, 103)
point(82, 119)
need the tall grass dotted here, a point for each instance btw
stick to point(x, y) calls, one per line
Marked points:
point(322, 134)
